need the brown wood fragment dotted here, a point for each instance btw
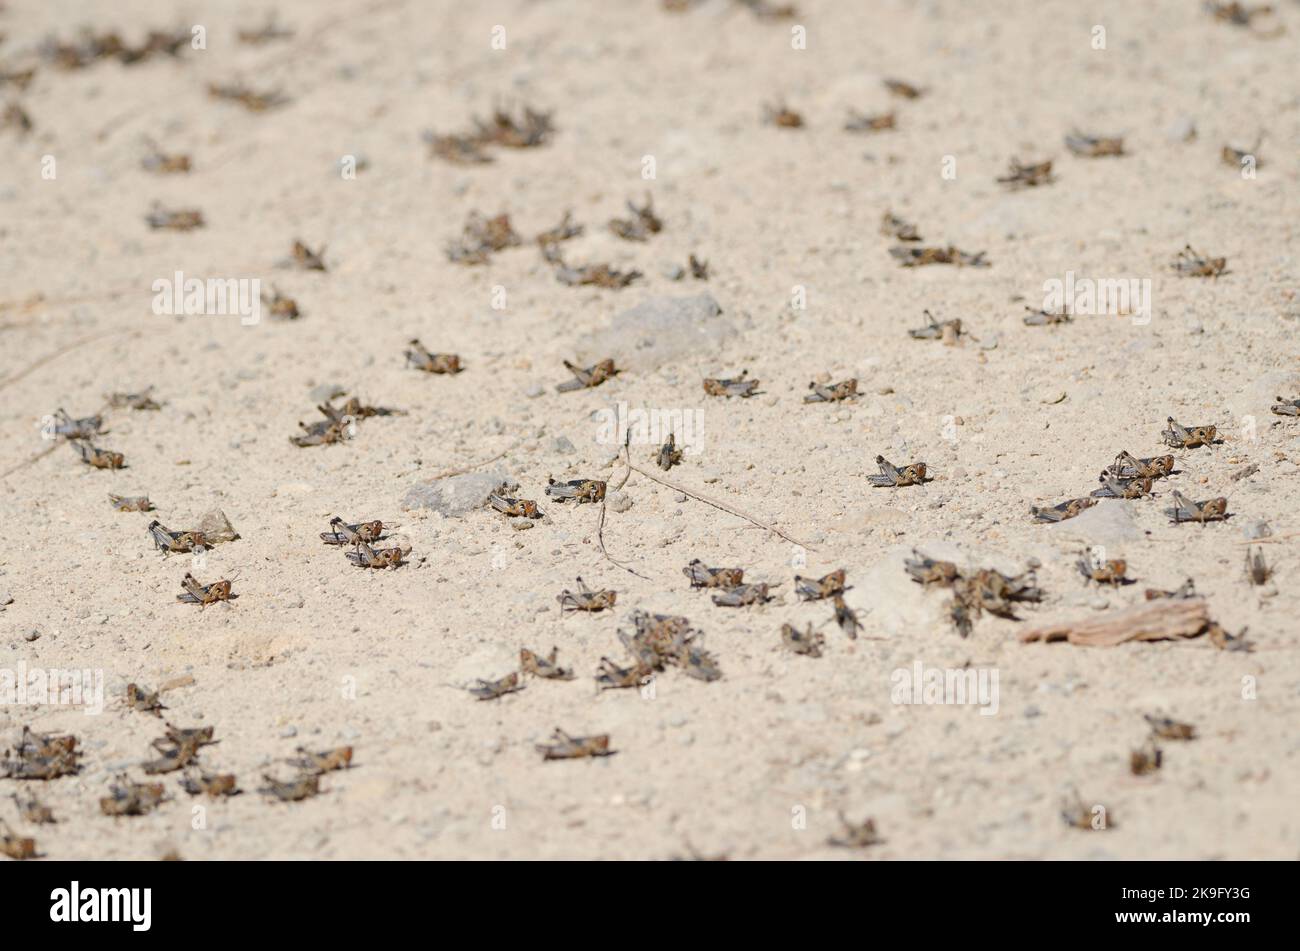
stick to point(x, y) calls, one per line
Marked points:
point(1153, 621)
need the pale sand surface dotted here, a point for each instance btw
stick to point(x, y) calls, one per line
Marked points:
point(726, 767)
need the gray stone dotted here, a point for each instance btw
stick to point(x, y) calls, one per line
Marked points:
point(455, 495)
point(1106, 523)
point(659, 331)
point(563, 445)
point(325, 391)
point(1182, 129)
point(620, 501)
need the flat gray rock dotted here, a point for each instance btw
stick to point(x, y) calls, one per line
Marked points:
point(1106, 523)
point(455, 495)
point(660, 331)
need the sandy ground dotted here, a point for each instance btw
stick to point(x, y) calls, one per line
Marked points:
point(759, 763)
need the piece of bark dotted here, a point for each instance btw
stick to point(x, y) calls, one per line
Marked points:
point(1152, 621)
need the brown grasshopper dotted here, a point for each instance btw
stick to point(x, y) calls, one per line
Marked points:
point(544, 667)
point(893, 477)
point(354, 409)
point(1043, 318)
point(325, 761)
point(596, 275)
point(588, 377)
point(14, 846)
point(1027, 176)
point(15, 117)
point(99, 458)
point(22, 78)
point(281, 306)
point(702, 576)
point(1257, 570)
point(826, 586)
point(1224, 641)
point(303, 786)
point(1061, 511)
point(565, 230)
point(42, 756)
point(169, 542)
point(246, 97)
point(363, 556)
point(1286, 407)
point(669, 455)
point(341, 533)
point(742, 595)
point(844, 390)
point(33, 810)
point(161, 163)
point(643, 223)
point(481, 238)
point(531, 129)
point(457, 148)
point(1111, 572)
point(1190, 264)
point(126, 798)
point(610, 676)
point(580, 490)
point(515, 508)
point(926, 571)
point(267, 33)
point(130, 503)
point(698, 663)
point(1112, 488)
point(1231, 155)
point(653, 649)
point(305, 259)
point(1127, 466)
point(137, 401)
point(781, 116)
point(144, 700)
point(492, 689)
point(856, 835)
point(736, 386)
point(949, 331)
point(183, 219)
point(204, 594)
point(563, 746)
point(1187, 437)
point(664, 634)
point(422, 359)
point(85, 428)
point(214, 785)
point(1187, 590)
point(174, 757)
point(919, 257)
point(1185, 510)
point(1169, 729)
point(808, 643)
point(1079, 815)
point(1146, 759)
point(903, 90)
point(1094, 146)
point(321, 433)
point(861, 122)
point(846, 618)
point(762, 9)
point(585, 599)
point(895, 227)
point(1238, 14)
